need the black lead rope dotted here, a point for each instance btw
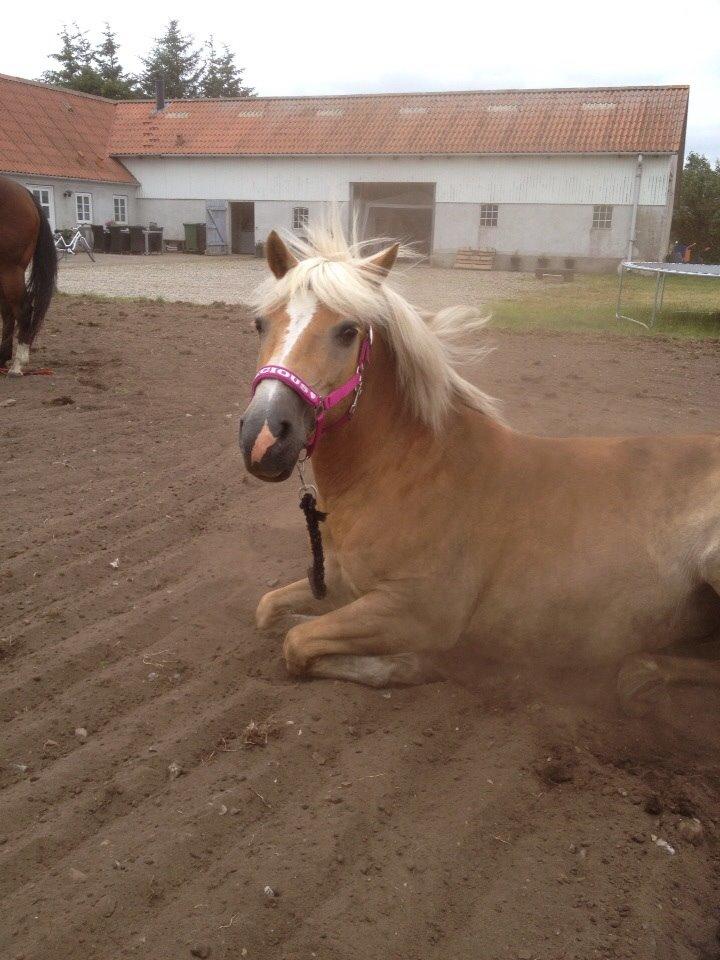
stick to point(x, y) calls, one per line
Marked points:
point(313, 518)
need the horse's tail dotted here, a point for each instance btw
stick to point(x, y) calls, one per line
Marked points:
point(43, 275)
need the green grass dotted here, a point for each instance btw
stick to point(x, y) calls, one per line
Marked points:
point(691, 307)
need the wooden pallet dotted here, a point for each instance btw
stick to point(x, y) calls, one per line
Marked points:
point(468, 259)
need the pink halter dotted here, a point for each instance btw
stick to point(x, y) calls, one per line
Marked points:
point(320, 404)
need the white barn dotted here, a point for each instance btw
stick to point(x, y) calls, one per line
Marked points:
point(587, 174)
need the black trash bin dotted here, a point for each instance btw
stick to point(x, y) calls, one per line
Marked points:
point(99, 239)
point(137, 239)
point(119, 240)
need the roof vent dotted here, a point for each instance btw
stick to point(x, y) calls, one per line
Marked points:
point(333, 112)
point(413, 110)
point(502, 108)
point(599, 105)
point(250, 113)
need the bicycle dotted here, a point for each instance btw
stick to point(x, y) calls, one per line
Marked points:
point(77, 244)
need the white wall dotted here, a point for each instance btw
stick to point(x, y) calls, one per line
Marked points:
point(545, 203)
point(582, 179)
point(171, 215)
point(102, 198)
point(278, 214)
point(554, 230)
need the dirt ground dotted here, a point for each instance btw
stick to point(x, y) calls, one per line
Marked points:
point(481, 820)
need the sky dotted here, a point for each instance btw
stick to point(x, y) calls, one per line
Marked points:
point(327, 46)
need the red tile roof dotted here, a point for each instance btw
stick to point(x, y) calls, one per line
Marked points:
point(45, 131)
point(611, 120)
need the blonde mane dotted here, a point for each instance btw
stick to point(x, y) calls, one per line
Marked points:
point(426, 346)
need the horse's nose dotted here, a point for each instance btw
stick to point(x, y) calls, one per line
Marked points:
point(273, 431)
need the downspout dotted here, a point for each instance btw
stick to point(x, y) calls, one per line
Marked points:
point(636, 203)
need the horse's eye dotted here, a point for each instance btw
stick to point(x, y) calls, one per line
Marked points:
point(346, 333)
point(259, 324)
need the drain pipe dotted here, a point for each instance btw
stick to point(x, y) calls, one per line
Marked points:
point(636, 203)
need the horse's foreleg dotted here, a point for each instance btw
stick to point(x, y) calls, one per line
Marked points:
point(294, 598)
point(367, 641)
point(20, 359)
point(404, 669)
point(19, 307)
point(8, 329)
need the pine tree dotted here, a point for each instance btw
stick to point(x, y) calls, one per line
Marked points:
point(74, 58)
point(106, 56)
point(175, 59)
point(222, 77)
point(116, 84)
point(81, 67)
point(186, 72)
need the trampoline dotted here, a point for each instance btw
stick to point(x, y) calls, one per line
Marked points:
point(661, 270)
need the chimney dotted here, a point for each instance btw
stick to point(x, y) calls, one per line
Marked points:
point(159, 94)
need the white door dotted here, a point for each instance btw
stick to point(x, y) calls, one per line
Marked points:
point(46, 199)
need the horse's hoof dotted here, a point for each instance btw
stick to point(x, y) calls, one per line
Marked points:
point(296, 660)
point(266, 615)
point(14, 373)
point(638, 683)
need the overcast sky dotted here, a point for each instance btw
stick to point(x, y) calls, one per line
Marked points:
point(327, 46)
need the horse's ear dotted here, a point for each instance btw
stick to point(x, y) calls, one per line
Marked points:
point(279, 257)
point(382, 263)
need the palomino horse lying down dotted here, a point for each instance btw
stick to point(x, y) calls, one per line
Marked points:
point(442, 523)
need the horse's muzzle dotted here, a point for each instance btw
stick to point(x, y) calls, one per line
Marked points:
point(273, 431)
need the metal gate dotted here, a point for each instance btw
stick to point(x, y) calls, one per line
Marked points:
point(216, 219)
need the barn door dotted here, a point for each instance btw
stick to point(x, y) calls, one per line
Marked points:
point(216, 220)
point(242, 220)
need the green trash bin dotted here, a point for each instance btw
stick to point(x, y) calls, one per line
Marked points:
point(195, 241)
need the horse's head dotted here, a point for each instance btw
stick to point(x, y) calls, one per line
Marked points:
point(308, 351)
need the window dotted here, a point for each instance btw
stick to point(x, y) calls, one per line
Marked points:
point(602, 216)
point(488, 214)
point(120, 209)
point(301, 218)
point(83, 207)
point(44, 196)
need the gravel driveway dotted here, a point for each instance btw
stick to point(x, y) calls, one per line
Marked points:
point(200, 279)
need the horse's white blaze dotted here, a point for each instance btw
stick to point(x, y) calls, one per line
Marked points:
point(301, 309)
point(22, 355)
point(264, 440)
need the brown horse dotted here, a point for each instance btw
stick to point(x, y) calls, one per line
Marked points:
point(444, 525)
point(25, 237)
